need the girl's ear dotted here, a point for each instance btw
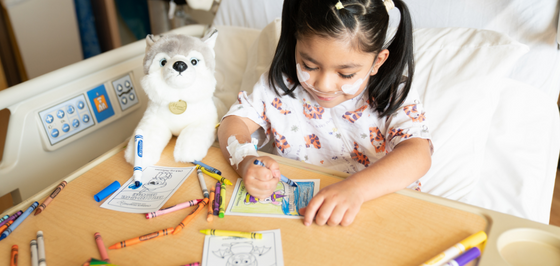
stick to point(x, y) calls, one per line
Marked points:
point(379, 60)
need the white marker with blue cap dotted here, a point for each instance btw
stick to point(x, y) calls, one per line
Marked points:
point(138, 152)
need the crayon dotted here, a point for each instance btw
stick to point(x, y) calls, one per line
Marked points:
point(457, 249)
point(215, 176)
point(173, 208)
point(41, 249)
point(222, 201)
point(4, 218)
point(202, 182)
point(210, 215)
point(19, 220)
point(192, 264)
point(189, 217)
point(464, 258)
point(214, 232)
point(13, 217)
point(140, 239)
point(282, 177)
point(101, 247)
point(5, 226)
point(99, 262)
point(34, 255)
point(138, 152)
point(51, 197)
point(208, 167)
point(14, 256)
point(217, 198)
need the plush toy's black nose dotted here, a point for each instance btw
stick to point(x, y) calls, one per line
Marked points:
point(180, 66)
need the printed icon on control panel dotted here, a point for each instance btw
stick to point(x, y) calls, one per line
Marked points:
point(81, 105)
point(75, 123)
point(49, 119)
point(100, 103)
point(85, 118)
point(70, 109)
point(60, 114)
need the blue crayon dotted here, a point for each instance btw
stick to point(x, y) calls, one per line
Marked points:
point(282, 177)
point(19, 220)
point(208, 167)
point(4, 218)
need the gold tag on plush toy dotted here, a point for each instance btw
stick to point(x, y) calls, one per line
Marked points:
point(178, 107)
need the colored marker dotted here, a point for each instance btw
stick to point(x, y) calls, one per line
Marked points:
point(210, 215)
point(173, 208)
point(34, 255)
point(140, 239)
point(222, 201)
point(214, 232)
point(457, 249)
point(19, 220)
point(14, 256)
point(208, 167)
point(13, 217)
point(192, 264)
point(41, 249)
point(282, 177)
point(101, 247)
point(202, 182)
point(4, 218)
point(217, 198)
point(5, 226)
point(216, 176)
point(51, 197)
point(138, 152)
point(464, 258)
point(189, 217)
point(107, 191)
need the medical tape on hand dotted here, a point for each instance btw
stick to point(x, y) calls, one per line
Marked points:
point(239, 151)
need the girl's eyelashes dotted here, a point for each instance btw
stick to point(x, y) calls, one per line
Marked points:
point(308, 68)
point(341, 75)
point(347, 76)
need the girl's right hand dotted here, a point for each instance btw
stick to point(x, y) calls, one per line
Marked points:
point(260, 181)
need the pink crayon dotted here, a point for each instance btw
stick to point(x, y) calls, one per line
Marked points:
point(177, 207)
point(192, 264)
point(217, 198)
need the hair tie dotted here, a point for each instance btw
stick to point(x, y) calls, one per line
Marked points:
point(388, 4)
point(339, 5)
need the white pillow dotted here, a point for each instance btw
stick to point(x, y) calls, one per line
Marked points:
point(456, 71)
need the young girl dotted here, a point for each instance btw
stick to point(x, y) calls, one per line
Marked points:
point(334, 96)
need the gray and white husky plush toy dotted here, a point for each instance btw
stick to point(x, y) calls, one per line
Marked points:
point(180, 85)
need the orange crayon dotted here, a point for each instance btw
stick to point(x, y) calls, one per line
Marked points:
point(14, 257)
point(210, 215)
point(6, 225)
point(140, 239)
point(51, 197)
point(189, 217)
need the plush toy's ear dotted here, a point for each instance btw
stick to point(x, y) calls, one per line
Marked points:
point(210, 37)
point(150, 40)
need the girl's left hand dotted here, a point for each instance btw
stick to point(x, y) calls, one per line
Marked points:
point(337, 204)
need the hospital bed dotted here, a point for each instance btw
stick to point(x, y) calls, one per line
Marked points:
point(490, 97)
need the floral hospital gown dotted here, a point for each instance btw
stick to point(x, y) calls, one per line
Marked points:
point(348, 137)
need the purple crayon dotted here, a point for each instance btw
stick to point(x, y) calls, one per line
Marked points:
point(173, 208)
point(217, 198)
point(13, 217)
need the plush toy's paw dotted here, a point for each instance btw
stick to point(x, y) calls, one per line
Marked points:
point(190, 147)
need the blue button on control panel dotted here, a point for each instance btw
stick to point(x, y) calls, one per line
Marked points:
point(64, 120)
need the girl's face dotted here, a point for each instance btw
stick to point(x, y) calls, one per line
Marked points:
point(332, 70)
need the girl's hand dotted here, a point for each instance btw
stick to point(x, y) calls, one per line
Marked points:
point(337, 204)
point(260, 181)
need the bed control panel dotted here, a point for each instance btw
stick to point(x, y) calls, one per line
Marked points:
point(66, 119)
point(125, 92)
point(92, 108)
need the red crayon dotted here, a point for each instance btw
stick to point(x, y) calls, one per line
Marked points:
point(192, 264)
point(173, 208)
point(101, 247)
point(51, 197)
point(136, 240)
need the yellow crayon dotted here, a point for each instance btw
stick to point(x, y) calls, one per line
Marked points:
point(210, 215)
point(201, 205)
point(459, 248)
point(214, 232)
point(222, 201)
point(215, 176)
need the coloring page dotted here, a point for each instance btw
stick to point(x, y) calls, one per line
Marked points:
point(230, 251)
point(158, 184)
point(285, 202)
